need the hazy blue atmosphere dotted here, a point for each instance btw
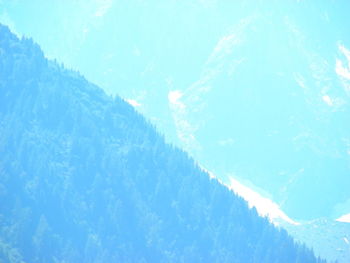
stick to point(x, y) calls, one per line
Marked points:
point(174, 131)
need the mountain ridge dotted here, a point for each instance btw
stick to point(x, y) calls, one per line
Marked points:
point(86, 178)
point(282, 82)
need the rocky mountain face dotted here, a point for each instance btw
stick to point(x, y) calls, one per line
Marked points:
point(275, 112)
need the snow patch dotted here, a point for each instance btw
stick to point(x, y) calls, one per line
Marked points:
point(263, 205)
point(346, 53)
point(133, 103)
point(227, 43)
point(341, 69)
point(174, 98)
point(344, 218)
point(327, 100)
point(184, 128)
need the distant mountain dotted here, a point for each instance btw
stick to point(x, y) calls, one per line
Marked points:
point(255, 90)
point(272, 106)
point(85, 178)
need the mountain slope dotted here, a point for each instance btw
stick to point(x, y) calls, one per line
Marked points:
point(275, 94)
point(84, 178)
point(270, 77)
point(328, 238)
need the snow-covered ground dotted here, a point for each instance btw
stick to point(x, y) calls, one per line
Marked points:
point(344, 218)
point(263, 205)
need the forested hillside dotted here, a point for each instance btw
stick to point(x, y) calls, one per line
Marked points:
point(85, 178)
